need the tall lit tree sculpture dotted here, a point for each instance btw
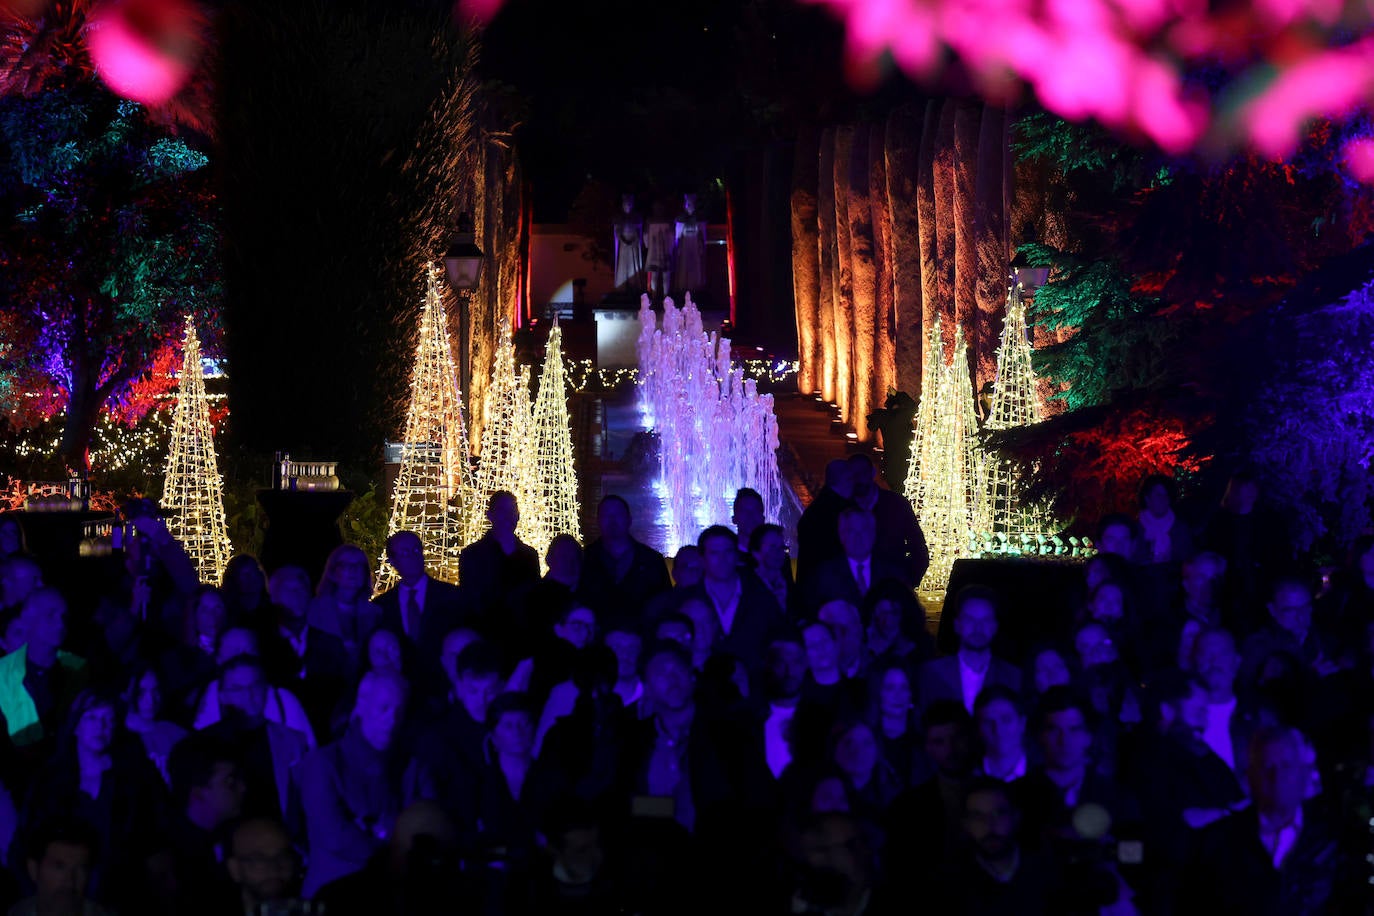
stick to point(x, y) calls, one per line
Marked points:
point(506, 459)
point(553, 508)
point(932, 370)
point(1015, 402)
point(950, 475)
point(192, 491)
point(434, 483)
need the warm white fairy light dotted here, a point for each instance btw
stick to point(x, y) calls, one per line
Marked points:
point(434, 483)
point(506, 460)
point(553, 506)
point(932, 370)
point(949, 475)
point(1013, 525)
point(193, 492)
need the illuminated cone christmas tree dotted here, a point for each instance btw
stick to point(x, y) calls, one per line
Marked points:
point(1015, 402)
point(434, 451)
point(506, 460)
point(949, 478)
point(553, 505)
point(932, 370)
point(192, 491)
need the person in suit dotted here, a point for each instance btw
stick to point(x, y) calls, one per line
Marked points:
point(964, 674)
point(496, 565)
point(267, 751)
point(1229, 720)
point(922, 823)
point(745, 608)
point(1277, 856)
point(1051, 792)
point(312, 661)
point(619, 574)
point(901, 542)
point(818, 536)
point(746, 514)
point(420, 608)
point(768, 553)
point(852, 575)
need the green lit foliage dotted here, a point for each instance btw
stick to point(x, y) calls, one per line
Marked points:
point(1118, 339)
point(107, 240)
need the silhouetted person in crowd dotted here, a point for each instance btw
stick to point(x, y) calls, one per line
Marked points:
point(39, 628)
point(313, 662)
point(342, 605)
point(1001, 725)
point(244, 585)
point(770, 562)
point(1279, 855)
point(353, 789)
point(207, 798)
point(900, 541)
point(1066, 780)
point(542, 602)
point(747, 514)
point(922, 823)
point(619, 574)
point(990, 872)
point(451, 751)
point(419, 607)
point(496, 565)
point(267, 751)
point(20, 576)
point(818, 531)
point(59, 861)
point(852, 575)
point(745, 609)
point(972, 667)
point(574, 877)
point(1253, 540)
point(417, 871)
point(264, 866)
point(1290, 631)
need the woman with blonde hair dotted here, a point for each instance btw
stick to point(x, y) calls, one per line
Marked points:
point(343, 600)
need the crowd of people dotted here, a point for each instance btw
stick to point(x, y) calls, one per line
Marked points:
point(1189, 731)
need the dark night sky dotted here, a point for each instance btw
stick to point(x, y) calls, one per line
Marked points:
point(656, 94)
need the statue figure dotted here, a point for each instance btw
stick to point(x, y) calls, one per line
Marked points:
point(689, 254)
point(629, 246)
point(660, 260)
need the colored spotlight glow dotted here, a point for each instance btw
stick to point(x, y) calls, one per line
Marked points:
point(144, 50)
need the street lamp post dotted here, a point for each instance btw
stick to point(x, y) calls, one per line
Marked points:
point(463, 265)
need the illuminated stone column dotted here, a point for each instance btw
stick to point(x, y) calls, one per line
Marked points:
point(826, 310)
point(863, 282)
point(844, 273)
point(806, 262)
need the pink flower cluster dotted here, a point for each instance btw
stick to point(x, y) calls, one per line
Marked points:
point(1122, 61)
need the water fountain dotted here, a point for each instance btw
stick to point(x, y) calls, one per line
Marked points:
point(716, 432)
